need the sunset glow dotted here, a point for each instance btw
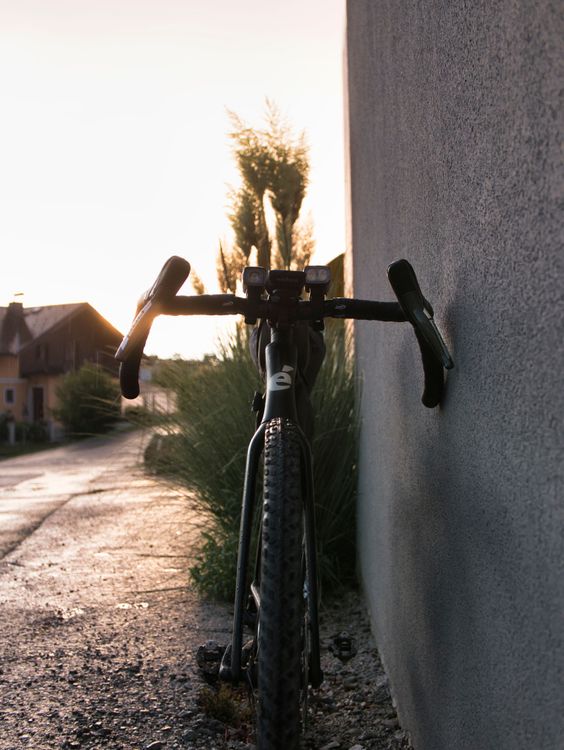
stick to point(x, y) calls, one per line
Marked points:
point(113, 146)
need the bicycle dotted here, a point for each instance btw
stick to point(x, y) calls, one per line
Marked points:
point(279, 601)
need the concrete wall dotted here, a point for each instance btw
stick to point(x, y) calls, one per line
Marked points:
point(455, 163)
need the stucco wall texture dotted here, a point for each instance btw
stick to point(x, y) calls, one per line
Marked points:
point(455, 163)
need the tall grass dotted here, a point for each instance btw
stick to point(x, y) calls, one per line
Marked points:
point(335, 445)
point(207, 446)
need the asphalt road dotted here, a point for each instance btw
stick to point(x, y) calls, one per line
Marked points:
point(32, 487)
point(99, 623)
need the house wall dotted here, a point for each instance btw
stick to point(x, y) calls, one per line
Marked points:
point(9, 380)
point(9, 366)
point(49, 385)
point(455, 163)
point(84, 337)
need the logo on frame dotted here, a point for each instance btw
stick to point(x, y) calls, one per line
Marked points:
point(282, 380)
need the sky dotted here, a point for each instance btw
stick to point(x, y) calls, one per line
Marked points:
point(114, 152)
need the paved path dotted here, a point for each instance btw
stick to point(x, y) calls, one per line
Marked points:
point(34, 486)
point(99, 624)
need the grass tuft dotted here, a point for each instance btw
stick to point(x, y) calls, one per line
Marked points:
point(206, 446)
point(225, 704)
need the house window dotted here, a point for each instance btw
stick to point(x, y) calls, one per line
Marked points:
point(42, 352)
point(9, 396)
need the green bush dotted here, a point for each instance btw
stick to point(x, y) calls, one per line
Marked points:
point(208, 442)
point(31, 432)
point(213, 572)
point(26, 432)
point(335, 446)
point(89, 401)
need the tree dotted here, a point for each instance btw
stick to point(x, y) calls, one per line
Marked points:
point(274, 168)
point(89, 401)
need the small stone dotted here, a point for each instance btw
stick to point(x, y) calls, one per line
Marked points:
point(357, 747)
point(157, 745)
point(333, 745)
point(391, 723)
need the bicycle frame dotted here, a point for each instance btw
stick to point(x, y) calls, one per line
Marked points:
point(276, 296)
point(281, 370)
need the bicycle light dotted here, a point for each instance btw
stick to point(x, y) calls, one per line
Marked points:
point(317, 276)
point(254, 277)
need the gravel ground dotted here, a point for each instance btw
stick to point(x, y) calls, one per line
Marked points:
point(100, 633)
point(353, 709)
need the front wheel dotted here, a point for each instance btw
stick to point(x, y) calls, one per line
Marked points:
point(281, 614)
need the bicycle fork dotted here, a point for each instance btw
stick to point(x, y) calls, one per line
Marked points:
point(231, 666)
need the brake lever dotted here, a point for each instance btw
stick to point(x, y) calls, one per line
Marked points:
point(417, 309)
point(428, 328)
point(171, 277)
point(136, 333)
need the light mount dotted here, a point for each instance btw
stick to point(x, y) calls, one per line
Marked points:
point(318, 278)
point(254, 281)
point(317, 281)
point(254, 277)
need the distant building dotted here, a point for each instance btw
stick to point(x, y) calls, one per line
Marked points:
point(39, 345)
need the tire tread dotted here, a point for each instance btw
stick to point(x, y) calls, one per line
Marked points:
point(281, 590)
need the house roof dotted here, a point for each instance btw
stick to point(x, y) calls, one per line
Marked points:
point(19, 326)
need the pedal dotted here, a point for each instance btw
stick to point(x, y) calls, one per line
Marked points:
point(209, 657)
point(225, 674)
point(343, 646)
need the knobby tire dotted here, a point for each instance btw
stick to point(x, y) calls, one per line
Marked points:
point(280, 640)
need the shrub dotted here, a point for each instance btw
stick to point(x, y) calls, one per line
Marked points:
point(207, 447)
point(335, 446)
point(31, 432)
point(158, 452)
point(26, 432)
point(89, 401)
point(213, 572)
point(212, 427)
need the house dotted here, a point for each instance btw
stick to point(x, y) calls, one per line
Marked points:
point(39, 345)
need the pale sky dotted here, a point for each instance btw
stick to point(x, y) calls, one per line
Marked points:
point(113, 145)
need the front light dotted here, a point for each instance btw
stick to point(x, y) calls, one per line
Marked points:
point(317, 276)
point(253, 277)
